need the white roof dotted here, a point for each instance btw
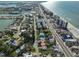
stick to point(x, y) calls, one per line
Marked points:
point(22, 47)
point(18, 50)
point(75, 47)
point(71, 40)
point(73, 30)
point(41, 38)
point(23, 30)
point(68, 35)
point(27, 55)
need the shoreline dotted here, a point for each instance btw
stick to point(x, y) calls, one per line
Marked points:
point(71, 27)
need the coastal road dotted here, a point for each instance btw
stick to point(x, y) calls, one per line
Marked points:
point(36, 41)
point(66, 50)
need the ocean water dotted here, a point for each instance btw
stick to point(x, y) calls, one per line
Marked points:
point(69, 10)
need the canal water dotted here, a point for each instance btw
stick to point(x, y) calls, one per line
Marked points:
point(4, 23)
point(69, 10)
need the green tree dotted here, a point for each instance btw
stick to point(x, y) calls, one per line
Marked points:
point(13, 54)
point(8, 32)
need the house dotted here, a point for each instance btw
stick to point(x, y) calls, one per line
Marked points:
point(27, 55)
point(18, 50)
point(50, 38)
point(13, 42)
point(42, 36)
point(2, 54)
point(43, 45)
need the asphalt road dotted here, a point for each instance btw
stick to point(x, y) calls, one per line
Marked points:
point(36, 42)
point(66, 50)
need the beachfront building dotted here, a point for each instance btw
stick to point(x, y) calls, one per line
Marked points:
point(61, 23)
point(71, 42)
